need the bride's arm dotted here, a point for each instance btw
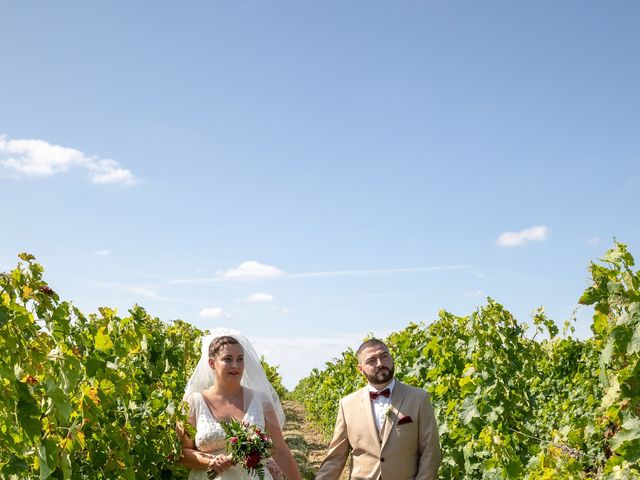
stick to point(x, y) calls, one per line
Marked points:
point(191, 456)
point(281, 453)
point(195, 459)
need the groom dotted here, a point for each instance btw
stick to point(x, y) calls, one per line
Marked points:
point(389, 426)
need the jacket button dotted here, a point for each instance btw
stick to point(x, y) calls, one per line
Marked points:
point(382, 459)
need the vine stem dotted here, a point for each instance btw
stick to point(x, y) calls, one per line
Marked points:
point(559, 445)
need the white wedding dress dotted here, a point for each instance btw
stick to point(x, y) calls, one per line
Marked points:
point(211, 438)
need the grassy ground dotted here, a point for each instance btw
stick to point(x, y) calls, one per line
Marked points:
point(305, 441)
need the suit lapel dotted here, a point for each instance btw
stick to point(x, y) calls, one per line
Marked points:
point(392, 418)
point(368, 414)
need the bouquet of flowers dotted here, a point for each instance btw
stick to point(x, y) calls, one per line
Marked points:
point(248, 446)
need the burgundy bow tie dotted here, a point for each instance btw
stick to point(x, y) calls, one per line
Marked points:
point(385, 393)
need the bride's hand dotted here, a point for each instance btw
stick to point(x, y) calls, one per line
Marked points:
point(220, 463)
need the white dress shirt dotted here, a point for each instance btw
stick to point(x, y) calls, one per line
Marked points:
point(381, 404)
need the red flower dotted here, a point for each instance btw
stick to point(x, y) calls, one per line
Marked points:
point(233, 440)
point(252, 460)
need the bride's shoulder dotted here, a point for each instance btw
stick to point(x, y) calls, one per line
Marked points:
point(251, 394)
point(193, 398)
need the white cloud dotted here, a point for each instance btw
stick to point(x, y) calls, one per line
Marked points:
point(102, 253)
point(138, 290)
point(37, 158)
point(475, 293)
point(145, 292)
point(378, 271)
point(260, 297)
point(213, 312)
point(523, 237)
point(252, 269)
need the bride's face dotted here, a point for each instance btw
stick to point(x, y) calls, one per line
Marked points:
point(228, 364)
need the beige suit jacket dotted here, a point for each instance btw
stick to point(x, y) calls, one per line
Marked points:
point(406, 451)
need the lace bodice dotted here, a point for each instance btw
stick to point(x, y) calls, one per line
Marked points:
point(210, 436)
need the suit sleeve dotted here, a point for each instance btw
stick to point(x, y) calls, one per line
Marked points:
point(334, 462)
point(429, 443)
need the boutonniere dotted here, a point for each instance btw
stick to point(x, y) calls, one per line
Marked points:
point(387, 411)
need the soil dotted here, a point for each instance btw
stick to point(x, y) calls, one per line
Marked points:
point(307, 444)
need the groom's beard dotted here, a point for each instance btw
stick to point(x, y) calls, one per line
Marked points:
point(381, 376)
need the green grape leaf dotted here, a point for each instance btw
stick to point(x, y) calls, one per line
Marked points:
point(14, 466)
point(634, 344)
point(67, 467)
point(630, 431)
point(60, 321)
point(28, 412)
point(60, 401)
point(469, 410)
point(4, 315)
point(600, 323)
point(103, 341)
point(93, 366)
point(45, 470)
point(27, 257)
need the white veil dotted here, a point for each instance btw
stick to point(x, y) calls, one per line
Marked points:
point(253, 377)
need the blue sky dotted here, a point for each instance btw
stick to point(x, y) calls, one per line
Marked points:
point(313, 171)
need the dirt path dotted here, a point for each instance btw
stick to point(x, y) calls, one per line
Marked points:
point(306, 443)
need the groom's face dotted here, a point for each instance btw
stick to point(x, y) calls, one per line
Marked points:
point(376, 364)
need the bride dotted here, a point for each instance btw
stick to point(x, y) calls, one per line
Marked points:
point(230, 383)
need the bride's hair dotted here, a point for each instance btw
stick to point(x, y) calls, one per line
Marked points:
point(219, 342)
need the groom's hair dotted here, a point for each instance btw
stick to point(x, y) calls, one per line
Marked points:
point(219, 342)
point(372, 342)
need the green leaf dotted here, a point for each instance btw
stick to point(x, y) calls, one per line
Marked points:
point(590, 296)
point(28, 412)
point(31, 426)
point(4, 315)
point(513, 468)
point(60, 321)
point(634, 343)
point(468, 410)
point(94, 365)
point(45, 471)
point(65, 463)
point(630, 431)
point(60, 401)
point(612, 393)
point(103, 341)
point(607, 352)
point(27, 257)
point(15, 466)
point(600, 323)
